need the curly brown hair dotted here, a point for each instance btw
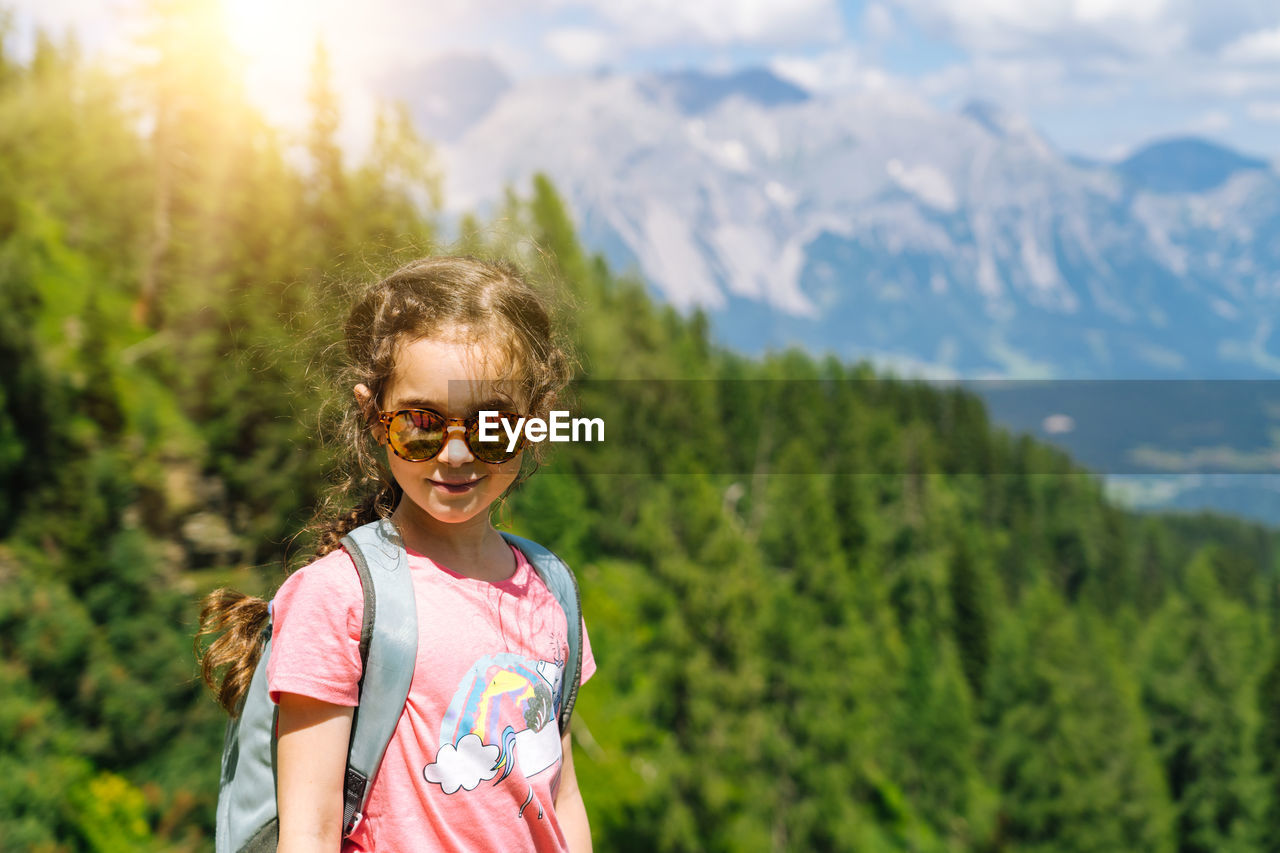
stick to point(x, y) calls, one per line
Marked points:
point(484, 301)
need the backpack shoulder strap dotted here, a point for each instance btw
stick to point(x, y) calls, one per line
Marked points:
point(558, 577)
point(388, 652)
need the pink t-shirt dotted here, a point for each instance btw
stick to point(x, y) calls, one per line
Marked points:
point(474, 763)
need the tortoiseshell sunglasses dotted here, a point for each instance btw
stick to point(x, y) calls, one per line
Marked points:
point(417, 435)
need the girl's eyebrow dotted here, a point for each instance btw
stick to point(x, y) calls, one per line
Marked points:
point(494, 403)
point(483, 406)
point(416, 403)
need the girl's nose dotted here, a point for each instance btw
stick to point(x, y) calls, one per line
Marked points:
point(455, 451)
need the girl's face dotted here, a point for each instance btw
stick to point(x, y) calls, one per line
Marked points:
point(447, 375)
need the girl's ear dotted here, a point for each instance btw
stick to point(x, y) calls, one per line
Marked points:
point(364, 399)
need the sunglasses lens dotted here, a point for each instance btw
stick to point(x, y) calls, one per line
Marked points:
point(416, 435)
point(495, 450)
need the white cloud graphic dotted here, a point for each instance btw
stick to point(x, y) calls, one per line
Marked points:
point(464, 766)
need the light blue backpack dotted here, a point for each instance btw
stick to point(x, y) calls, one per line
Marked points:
point(247, 818)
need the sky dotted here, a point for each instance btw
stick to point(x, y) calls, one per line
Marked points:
point(1099, 78)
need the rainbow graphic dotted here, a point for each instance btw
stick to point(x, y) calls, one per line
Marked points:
point(506, 687)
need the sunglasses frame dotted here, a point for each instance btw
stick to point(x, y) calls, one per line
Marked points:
point(470, 428)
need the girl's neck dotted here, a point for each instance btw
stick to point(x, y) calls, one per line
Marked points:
point(472, 548)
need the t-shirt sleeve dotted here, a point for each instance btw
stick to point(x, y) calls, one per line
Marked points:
point(315, 635)
point(588, 659)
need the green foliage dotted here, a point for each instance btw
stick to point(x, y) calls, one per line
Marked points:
point(971, 620)
point(942, 640)
point(1066, 741)
point(110, 814)
point(1198, 688)
point(1268, 749)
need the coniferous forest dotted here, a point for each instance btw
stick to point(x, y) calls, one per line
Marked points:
point(948, 641)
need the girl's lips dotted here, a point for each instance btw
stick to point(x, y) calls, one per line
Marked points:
point(455, 488)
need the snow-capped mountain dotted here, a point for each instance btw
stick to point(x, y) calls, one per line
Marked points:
point(871, 223)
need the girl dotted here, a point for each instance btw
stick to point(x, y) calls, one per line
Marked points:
point(470, 765)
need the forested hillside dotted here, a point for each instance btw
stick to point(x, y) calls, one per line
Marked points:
point(950, 642)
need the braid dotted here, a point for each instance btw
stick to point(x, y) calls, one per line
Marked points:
point(228, 663)
point(379, 504)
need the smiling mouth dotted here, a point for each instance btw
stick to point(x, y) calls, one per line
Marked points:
point(455, 488)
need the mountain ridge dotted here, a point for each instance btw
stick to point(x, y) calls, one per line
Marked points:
point(1184, 164)
point(868, 222)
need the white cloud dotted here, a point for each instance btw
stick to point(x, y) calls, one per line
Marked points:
point(760, 22)
point(368, 38)
point(878, 22)
point(1229, 83)
point(1015, 83)
point(1268, 111)
point(464, 766)
point(1258, 46)
point(1109, 11)
point(1073, 27)
point(1131, 29)
point(1212, 121)
point(619, 28)
point(580, 47)
point(832, 71)
point(1191, 57)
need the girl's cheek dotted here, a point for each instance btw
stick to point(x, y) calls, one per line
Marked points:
point(506, 475)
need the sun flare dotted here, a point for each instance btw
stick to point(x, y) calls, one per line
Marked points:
point(275, 30)
point(274, 42)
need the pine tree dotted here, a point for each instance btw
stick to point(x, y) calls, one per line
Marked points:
point(328, 188)
point(1197, 677)
point(1066, 740)
point(970, 607)
point(935, 732)
point(1268, 750)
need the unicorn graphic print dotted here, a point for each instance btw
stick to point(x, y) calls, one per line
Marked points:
point(479, 742)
